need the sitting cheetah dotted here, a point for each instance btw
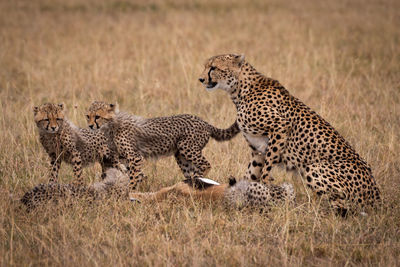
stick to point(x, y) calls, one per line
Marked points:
point(114, 184)
point(280, 128)
point(241, 194)
point(63, 141)
point(137, 138)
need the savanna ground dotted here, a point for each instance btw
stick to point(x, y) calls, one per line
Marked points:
point(342, 58)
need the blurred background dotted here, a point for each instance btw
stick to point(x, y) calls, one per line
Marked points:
point(342, 58)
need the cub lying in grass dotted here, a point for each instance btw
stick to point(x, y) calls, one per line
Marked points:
point(114, 184)
point(241, 194)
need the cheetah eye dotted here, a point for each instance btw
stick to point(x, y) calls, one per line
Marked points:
point(97, 117)
point(87, 117)
point(47, 120)
point(59, 119)
point(212, 68)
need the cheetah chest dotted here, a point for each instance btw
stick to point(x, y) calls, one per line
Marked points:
point(260, 143)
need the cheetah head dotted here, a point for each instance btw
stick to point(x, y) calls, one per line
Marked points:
point(222, 72)
point(99, 113)
point(49, 117)
point(235, 194)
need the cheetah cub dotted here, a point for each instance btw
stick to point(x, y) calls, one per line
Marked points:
point(63, 141)
point(137, 138)
point(114, 184)
point(246, 193)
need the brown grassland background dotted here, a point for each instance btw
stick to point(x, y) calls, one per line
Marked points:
point(342, 58)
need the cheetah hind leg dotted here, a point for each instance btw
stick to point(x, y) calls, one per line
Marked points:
point(319, 179)
point(194, 159)
point(187, 168)
point(201, 166)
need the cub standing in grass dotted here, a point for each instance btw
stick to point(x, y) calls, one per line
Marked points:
point(136, 138)
point(63, 141)
point(279, 128)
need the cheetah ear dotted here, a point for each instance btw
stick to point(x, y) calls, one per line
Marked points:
point(35, 110)
point(232, 181)
point(61, 106)
point(239, 59)
point(113, 107)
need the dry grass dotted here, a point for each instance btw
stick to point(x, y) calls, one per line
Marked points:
point(342, 58)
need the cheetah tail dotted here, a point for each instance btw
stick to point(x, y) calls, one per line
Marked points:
point(224, 134)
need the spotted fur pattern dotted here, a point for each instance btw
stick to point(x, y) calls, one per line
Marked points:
point(249, 194)
point(63, 141)
point(279, 128)
point(114, 184)
point(137, 138)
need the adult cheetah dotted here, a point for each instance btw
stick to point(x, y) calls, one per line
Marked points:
point(279, 128)
point(63, 141)
point(137, 138)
